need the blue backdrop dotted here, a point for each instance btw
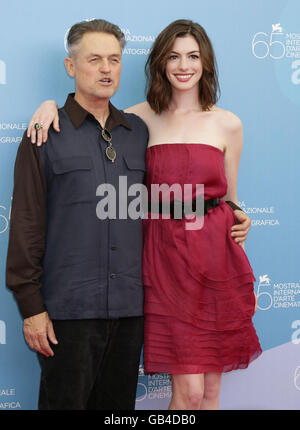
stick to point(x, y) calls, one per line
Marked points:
point(257, 44)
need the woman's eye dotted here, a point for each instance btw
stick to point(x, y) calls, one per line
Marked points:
point(172, 57)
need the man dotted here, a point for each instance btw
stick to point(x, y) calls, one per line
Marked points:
point(76, 278)
point(86, 322)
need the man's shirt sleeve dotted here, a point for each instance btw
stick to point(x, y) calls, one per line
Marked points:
point(27, 230)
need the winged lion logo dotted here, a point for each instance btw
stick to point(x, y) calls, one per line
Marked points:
point(264, 279)
point(276, 28)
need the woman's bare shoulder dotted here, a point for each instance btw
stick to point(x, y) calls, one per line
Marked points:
point(140, 108)
point(143, 110)
point(227, 119)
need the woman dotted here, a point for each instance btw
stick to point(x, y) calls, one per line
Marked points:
point(199, 298)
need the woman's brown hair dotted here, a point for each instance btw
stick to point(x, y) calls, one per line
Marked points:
point(159, 90)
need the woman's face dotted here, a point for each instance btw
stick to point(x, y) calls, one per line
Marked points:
point(184, 67)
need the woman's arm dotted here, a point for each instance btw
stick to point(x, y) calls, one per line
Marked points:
point(233, 151)
point(45, 115)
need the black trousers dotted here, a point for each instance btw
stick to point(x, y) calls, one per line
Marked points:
point(95, 365)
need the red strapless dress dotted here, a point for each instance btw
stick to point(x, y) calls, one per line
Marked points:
point(199, 295)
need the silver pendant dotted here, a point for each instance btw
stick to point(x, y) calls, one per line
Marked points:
point(106, 135)
point(111, 153)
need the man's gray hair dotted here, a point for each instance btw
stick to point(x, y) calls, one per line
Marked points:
point(95, 25)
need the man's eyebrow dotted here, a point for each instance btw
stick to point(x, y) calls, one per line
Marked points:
point(100, 56)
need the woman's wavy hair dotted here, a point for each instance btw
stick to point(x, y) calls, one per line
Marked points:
point(158, 88)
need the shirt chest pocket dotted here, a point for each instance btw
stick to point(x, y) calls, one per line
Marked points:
point(135, 169)
point(73, 180)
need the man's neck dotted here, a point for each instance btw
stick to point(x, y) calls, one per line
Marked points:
point(98, 107)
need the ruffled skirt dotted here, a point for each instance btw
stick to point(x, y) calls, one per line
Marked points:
point(199, 297)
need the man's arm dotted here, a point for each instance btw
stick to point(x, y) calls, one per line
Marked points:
point(27, 244)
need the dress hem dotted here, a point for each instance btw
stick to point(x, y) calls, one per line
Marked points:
point(193, 370)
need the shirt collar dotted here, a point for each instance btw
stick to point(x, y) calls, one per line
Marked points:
point(78, 114)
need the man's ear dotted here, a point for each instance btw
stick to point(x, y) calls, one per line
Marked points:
point(70, 67)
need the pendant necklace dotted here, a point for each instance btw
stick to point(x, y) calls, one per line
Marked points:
point(110, 150)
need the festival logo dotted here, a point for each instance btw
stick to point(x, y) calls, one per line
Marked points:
point(277, 295)
point(137, 44)
point(2, 73)
point(269, 44)
point(12, 132)
point(282, 47)
point(260, 216)
point(276, 44)
point(7, 400)
point(10, 405)
point(4, 218)
point(152, 387)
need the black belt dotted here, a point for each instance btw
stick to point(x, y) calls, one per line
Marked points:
point(177, 207)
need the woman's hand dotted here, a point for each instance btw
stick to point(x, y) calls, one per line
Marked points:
point(256, 300)
point(45, 115)
point(239, 231)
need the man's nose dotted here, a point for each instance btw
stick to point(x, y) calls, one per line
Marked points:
point(105, 65)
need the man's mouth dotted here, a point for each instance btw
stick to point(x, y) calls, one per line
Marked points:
point(105, 81)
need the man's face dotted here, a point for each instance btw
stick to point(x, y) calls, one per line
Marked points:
point(96, 66)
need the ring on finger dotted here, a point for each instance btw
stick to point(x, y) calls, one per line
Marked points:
point(38, 125)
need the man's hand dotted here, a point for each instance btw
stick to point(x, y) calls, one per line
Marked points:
point(239, 231)
point(45, 115)
point(37, 330)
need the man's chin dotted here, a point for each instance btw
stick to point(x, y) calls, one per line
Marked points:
point(105, 92)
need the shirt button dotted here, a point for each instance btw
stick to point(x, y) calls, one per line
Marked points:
point(113, 275)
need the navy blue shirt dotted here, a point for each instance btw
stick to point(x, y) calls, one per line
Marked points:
point(61, 257)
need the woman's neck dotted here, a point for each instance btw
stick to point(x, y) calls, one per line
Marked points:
point(184, 101)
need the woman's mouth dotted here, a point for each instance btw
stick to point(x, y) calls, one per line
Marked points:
point(183, 77)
